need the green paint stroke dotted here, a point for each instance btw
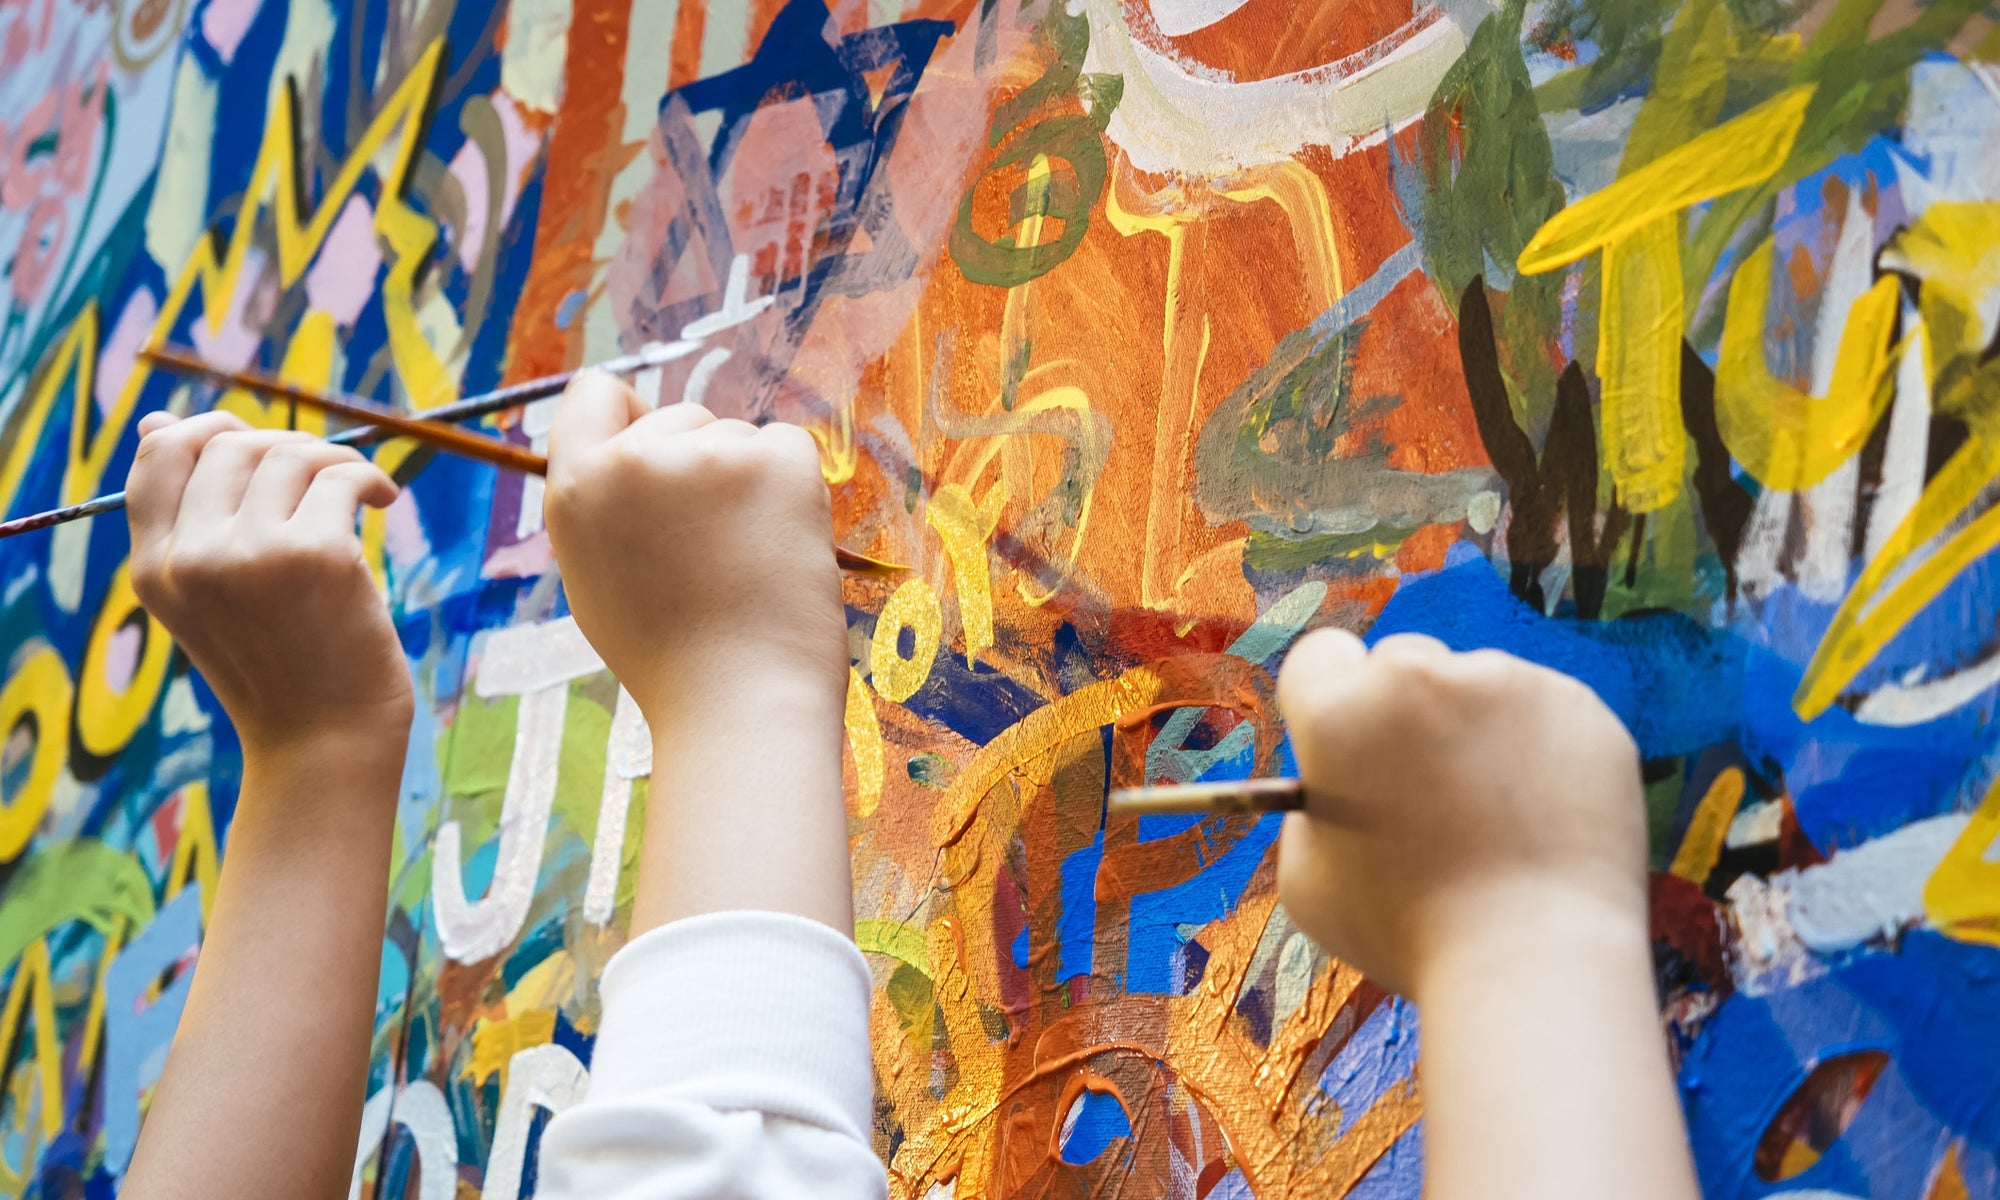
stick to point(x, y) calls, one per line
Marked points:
point(1075, 139)
point(901, 942)
point(84, 881)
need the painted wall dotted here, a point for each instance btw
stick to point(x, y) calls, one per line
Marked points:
point(1652, 340)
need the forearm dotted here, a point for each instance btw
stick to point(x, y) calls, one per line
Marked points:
point(263, 1088)
point(1545, 1073)
point(744, 809)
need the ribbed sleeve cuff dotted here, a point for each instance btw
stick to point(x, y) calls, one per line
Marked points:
point(740, 1010)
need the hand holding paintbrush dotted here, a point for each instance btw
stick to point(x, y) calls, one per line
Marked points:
point(377, 422)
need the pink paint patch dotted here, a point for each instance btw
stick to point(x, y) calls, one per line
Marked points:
point(469, 168)
point(522, 145)
point(121, 657)
point(342, 277)
point(523, 559)
point(403, 532)
point(237, 341)
point(225, 22)
point(114, 362)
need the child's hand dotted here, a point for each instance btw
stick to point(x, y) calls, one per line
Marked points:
point(1453, 798)
point(243, 546)
point(697, 553)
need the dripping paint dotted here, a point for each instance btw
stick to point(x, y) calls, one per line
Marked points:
point(1653, 341)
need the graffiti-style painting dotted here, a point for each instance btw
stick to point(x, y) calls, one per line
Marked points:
point(1655, 340)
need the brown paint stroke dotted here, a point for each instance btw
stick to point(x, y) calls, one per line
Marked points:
point(1725, 505)
point(1563, 477)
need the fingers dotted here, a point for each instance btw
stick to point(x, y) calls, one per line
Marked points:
point(1415, 647)
point(283, 475)
point(168, 453)
point(1326, 692)
point(674, 420)
point(216, 488)
point(329, 504)
point(595, 408)
point(155, 421)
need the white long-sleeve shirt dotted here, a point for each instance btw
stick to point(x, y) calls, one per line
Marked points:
point(732, 1064)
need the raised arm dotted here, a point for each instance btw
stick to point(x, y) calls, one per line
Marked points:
point(1475, 839)
point(243, 546)
point(697, 555)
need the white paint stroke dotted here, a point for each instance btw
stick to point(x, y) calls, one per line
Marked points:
point(1755, 825)
point(1908, 446)
point(624, 760)
point(179, 208)
point(546, 1077)
point(528, 658)
point(468, 931)
point(1174, 117)
point(1914, 701)
point(1827, 508)
point(1874, 890)
point(420, 1108)
point(1178, 18)
point(531, 65)
point(374, 1123)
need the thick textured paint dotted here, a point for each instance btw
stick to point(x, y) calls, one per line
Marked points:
point(1149, 335)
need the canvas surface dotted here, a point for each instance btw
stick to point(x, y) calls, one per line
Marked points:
point(1655, 341)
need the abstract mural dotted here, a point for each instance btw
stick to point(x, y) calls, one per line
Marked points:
point(1656, 340)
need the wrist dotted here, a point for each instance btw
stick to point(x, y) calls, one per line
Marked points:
point(743, 682)
point(1537, 929)
point(332, 781)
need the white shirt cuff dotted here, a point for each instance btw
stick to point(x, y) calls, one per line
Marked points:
point(740, 1010)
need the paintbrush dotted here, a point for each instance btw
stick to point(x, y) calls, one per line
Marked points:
point(384, 423)
point(1230, 797)
point(485, 404)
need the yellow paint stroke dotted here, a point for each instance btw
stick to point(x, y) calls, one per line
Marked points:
point(1009, 436)
point(34, 978)
point(107, 719)
point(1948, 1180)
point(496, 1042)
point(1945, 249)
point(864, 742)
point(40, 689)
point(1787, 438)
point(1701, 846)
point(1745, 150)
point(1301, 195)
point(1962, 897)
point(309, 357)
point(894, 939)
point(1186, 335)
point(1635, 223)
point(1639, 361)
point(963, 525)
point(1016, 346)
point(839, 455)
point(409, 234)
point(195, 855)
point(75, 357)
point(913, 607)
point(93, 1021)
point(390, 456)
point(1873, 612)
point(1950, 248)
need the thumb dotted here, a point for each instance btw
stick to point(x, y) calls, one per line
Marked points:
point(595, 408)
point(1324, 693)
